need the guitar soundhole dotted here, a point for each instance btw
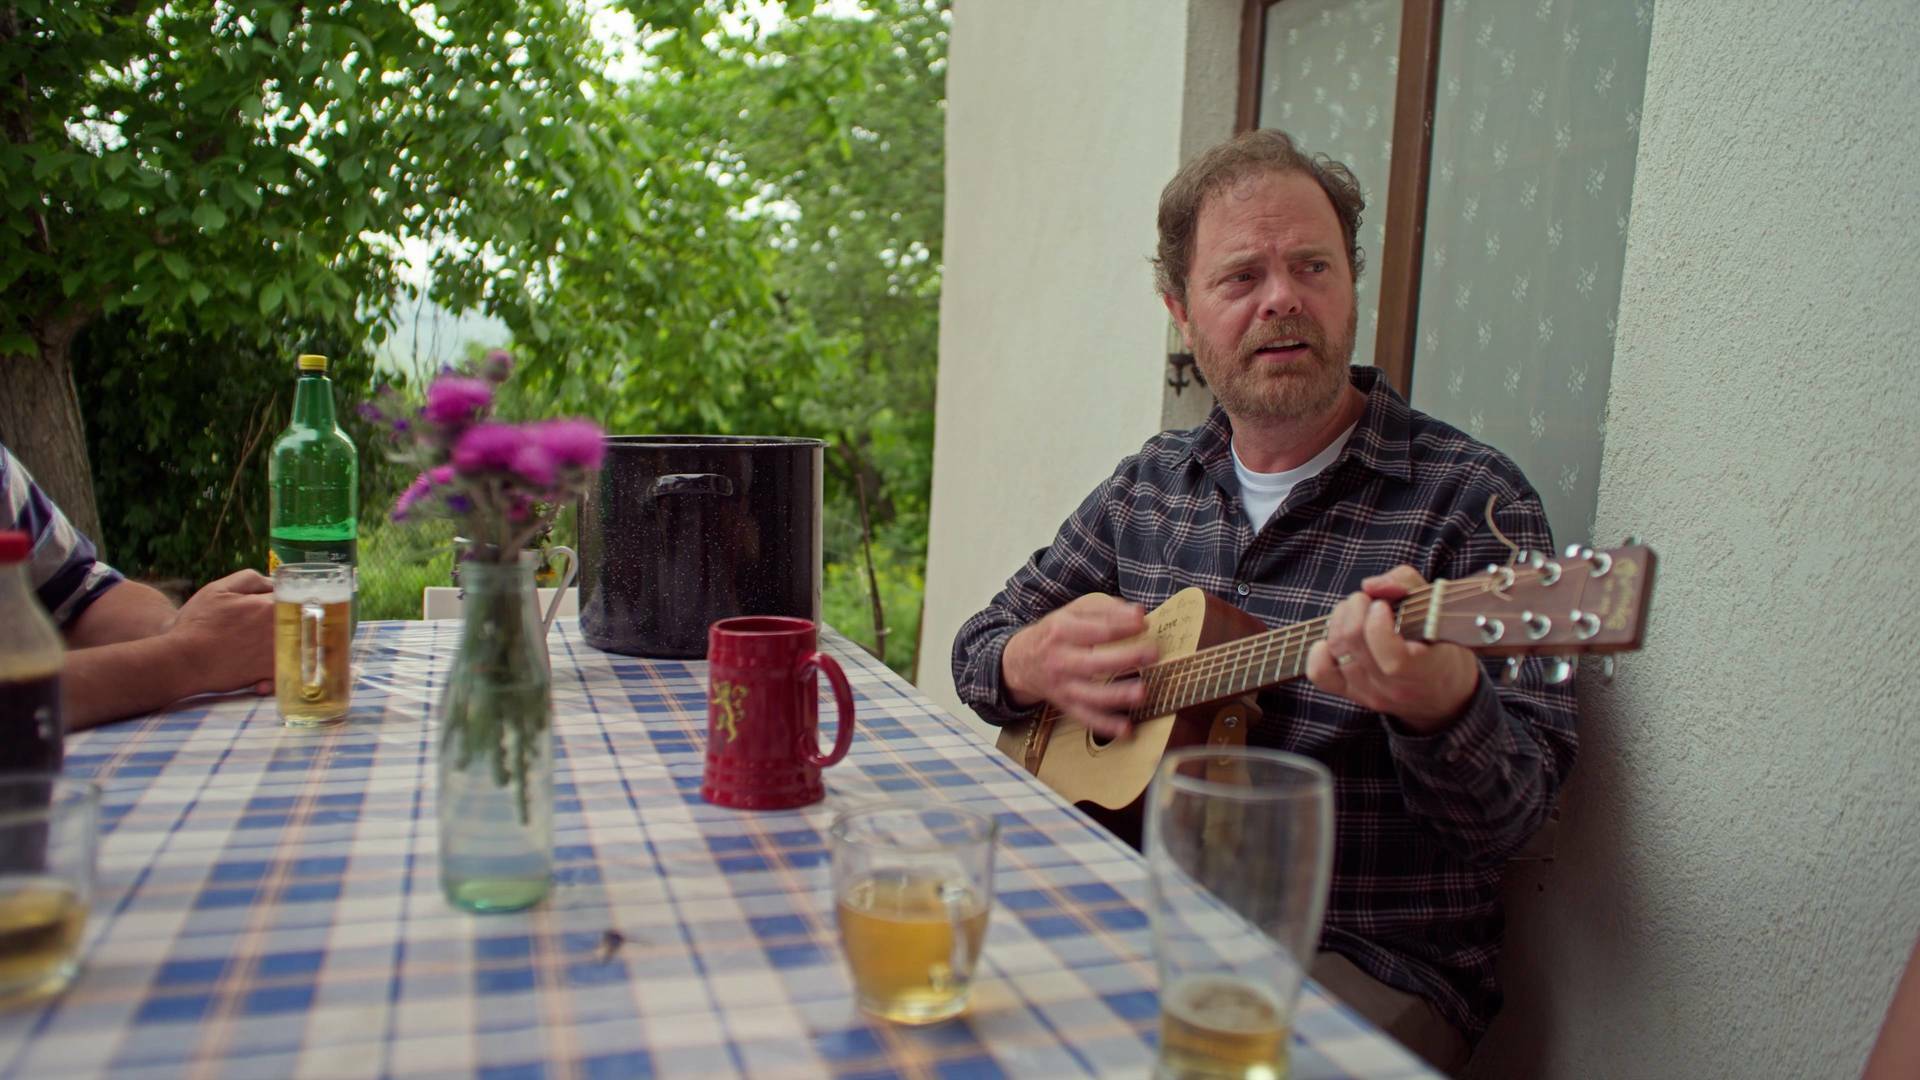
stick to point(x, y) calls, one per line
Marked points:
point(1096, 743)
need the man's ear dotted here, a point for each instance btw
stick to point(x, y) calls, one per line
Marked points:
point(1179, 312)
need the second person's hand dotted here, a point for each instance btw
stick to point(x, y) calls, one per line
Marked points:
point(226, 631)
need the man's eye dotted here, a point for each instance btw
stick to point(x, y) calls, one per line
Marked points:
point(1318, 266)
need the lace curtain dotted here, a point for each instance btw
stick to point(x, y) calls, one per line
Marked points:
point(1535, 130)
point(1328, 80)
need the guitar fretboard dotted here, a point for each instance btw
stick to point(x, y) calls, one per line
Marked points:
point(1249, 663)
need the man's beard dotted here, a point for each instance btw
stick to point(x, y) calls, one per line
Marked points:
point(1254, 389)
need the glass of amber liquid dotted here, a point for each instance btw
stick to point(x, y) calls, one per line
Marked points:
point(912, 886)
point(48, 832)
point(1239, 846)
point(313, 642)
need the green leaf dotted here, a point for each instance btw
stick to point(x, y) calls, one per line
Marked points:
point(177, 265)
point(209, 217)
point(280, 25)
point(271, 294)
point(198, 291)
point(114, 198)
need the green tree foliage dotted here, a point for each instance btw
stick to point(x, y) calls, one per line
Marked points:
point(218, 166)
point(181, 471)
point(826, 137)
point(744, 238)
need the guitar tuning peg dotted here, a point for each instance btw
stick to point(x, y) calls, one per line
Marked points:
point(1606, 668)
point(1510, 672)
point(1561, 669)
point(1573, 551)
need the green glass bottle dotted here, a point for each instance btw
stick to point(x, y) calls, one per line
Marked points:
point(314, 474)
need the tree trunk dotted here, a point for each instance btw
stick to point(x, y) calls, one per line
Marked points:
point(40, 424)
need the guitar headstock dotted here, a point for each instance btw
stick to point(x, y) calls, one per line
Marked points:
point(1584, 601)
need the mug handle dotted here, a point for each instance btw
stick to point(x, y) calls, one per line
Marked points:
point(566, 582)
point(843, 698)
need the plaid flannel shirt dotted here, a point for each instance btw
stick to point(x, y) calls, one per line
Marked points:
point(1423, 824)
point(66, 572)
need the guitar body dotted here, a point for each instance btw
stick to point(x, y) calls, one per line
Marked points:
point(1109, 779)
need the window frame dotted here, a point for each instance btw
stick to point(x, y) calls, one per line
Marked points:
point(1403, 247)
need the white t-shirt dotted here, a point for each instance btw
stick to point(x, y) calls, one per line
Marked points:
point(1263, 492)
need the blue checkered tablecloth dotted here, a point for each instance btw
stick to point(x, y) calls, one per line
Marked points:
point(269, 904)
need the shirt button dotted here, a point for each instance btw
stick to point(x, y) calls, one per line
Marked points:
point(1243, 588)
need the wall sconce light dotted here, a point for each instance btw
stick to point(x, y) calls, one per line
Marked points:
point(1182, 371)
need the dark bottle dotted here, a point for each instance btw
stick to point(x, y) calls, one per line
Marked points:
point(30, 657)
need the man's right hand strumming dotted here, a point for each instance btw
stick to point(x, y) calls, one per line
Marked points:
point(1070, 658)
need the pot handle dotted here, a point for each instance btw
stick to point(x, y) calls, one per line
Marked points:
point(691, 484)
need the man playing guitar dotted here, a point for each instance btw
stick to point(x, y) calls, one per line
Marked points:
point(1313, 488)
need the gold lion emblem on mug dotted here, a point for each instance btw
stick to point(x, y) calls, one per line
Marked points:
point(729, 702)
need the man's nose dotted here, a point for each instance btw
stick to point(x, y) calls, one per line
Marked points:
point(1280, 299)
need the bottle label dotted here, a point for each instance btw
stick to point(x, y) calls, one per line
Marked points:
point(327, 551)
point(30, 735)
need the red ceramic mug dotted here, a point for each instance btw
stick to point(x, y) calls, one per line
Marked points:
point(763, 713)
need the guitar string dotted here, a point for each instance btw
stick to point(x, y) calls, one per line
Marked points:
point(1207, 671)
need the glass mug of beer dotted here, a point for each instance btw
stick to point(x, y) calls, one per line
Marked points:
point(313, 642)
point(1239, 848)
point(912, 887)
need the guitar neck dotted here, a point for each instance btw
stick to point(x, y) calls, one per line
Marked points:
point(1249, 663)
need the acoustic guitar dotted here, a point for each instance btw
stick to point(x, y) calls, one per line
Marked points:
point(1214, 656)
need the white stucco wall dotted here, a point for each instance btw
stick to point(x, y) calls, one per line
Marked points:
point(1065, 119)
point(1738, 871)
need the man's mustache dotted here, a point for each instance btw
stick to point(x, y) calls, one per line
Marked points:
point(1292, 329)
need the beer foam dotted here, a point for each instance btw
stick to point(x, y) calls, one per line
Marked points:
point(313, 592)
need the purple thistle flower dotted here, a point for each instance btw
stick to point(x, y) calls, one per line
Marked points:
point(370, 412)
point(453, 400)
point(487, 448)
point(574, 443)
point(415, 492)
point(534, 465)
point(497, 366)
point(440, 475)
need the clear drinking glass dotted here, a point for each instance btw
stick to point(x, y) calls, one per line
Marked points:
point(912, 887)
point(313, 642)
point(48, 833)
point(1239, 851)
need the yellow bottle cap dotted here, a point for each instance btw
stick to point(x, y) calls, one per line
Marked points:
point(312, 362)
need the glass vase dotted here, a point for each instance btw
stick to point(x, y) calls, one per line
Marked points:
point(496, 746)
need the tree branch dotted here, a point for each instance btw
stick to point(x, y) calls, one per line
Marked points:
point(879, 649)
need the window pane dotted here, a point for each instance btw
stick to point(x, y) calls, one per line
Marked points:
point(1535, 129)
point(1328, 80)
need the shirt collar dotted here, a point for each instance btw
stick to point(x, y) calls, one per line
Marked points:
point(1380, 439)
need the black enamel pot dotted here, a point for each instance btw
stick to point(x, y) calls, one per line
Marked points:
point(680, 531)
